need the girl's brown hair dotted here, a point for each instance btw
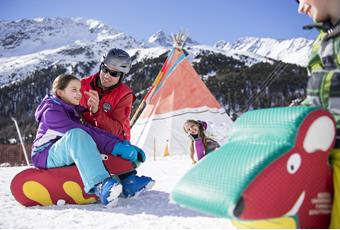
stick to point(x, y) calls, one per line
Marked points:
point(61, 82)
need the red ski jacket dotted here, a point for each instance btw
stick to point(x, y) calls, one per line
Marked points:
point(114, 108)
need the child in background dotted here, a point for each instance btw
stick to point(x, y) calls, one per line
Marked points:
point(200, 144)
point(64, 139)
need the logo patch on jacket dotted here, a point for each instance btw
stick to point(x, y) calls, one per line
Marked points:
point(106, 107)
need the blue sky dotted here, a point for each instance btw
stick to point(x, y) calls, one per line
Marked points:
point(206, 21)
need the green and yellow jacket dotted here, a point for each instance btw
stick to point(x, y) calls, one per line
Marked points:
point(323, 88)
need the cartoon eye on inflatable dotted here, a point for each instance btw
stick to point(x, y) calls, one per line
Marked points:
point(294, 163)
point(316, 140)
point(105, 157)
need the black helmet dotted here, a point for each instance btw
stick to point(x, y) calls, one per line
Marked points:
point(117, 59)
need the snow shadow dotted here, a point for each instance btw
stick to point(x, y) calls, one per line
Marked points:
point(153, 202)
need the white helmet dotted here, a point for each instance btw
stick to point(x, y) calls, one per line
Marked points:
point(117, 59)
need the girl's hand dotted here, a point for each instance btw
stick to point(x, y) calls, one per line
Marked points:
point(93, 101)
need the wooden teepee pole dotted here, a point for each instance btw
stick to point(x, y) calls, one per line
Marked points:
point(143, 102)
point(179, 39)
point(137, 113)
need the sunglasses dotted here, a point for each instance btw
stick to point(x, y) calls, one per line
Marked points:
point(112, 73)
point(298, 1)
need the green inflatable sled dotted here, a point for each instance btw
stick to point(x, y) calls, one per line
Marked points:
point(274, 167)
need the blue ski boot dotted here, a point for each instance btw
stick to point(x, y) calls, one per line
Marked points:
point(134, 185)
point(108, 191)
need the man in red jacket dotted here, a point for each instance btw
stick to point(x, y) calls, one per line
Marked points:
point(107, 98)
point(109, 102)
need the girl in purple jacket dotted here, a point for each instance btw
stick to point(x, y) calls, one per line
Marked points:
point(63, 139)
point(200, 144)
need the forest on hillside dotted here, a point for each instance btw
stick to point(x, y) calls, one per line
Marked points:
point(235, 85)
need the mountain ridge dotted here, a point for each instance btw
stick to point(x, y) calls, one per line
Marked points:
point(28, 44)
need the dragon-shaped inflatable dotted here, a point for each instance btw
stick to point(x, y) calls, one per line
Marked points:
point(274, 167)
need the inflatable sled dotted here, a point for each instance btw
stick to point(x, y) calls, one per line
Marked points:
point(273, 168)
point(59, 186)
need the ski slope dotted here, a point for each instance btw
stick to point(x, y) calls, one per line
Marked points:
point(151, 210)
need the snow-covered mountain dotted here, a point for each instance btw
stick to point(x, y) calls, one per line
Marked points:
point(162, 39)
point(292, 50)
point(28, 45)
point(28, 36)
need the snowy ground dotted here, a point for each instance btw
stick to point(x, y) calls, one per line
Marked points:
point(152, 210)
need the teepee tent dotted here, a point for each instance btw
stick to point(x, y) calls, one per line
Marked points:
point(177, 94)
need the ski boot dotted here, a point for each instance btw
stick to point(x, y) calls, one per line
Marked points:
point(108, 191)
point(134, 185)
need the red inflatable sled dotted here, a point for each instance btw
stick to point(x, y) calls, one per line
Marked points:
point(59, 186)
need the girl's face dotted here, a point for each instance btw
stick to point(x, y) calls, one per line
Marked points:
point(191, 128)
point(71, 94)
point(316, 9)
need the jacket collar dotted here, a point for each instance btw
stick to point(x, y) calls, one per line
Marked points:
point(66, 106)
point(326, 27)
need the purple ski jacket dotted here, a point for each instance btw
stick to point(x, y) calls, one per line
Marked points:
point(55, 118)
